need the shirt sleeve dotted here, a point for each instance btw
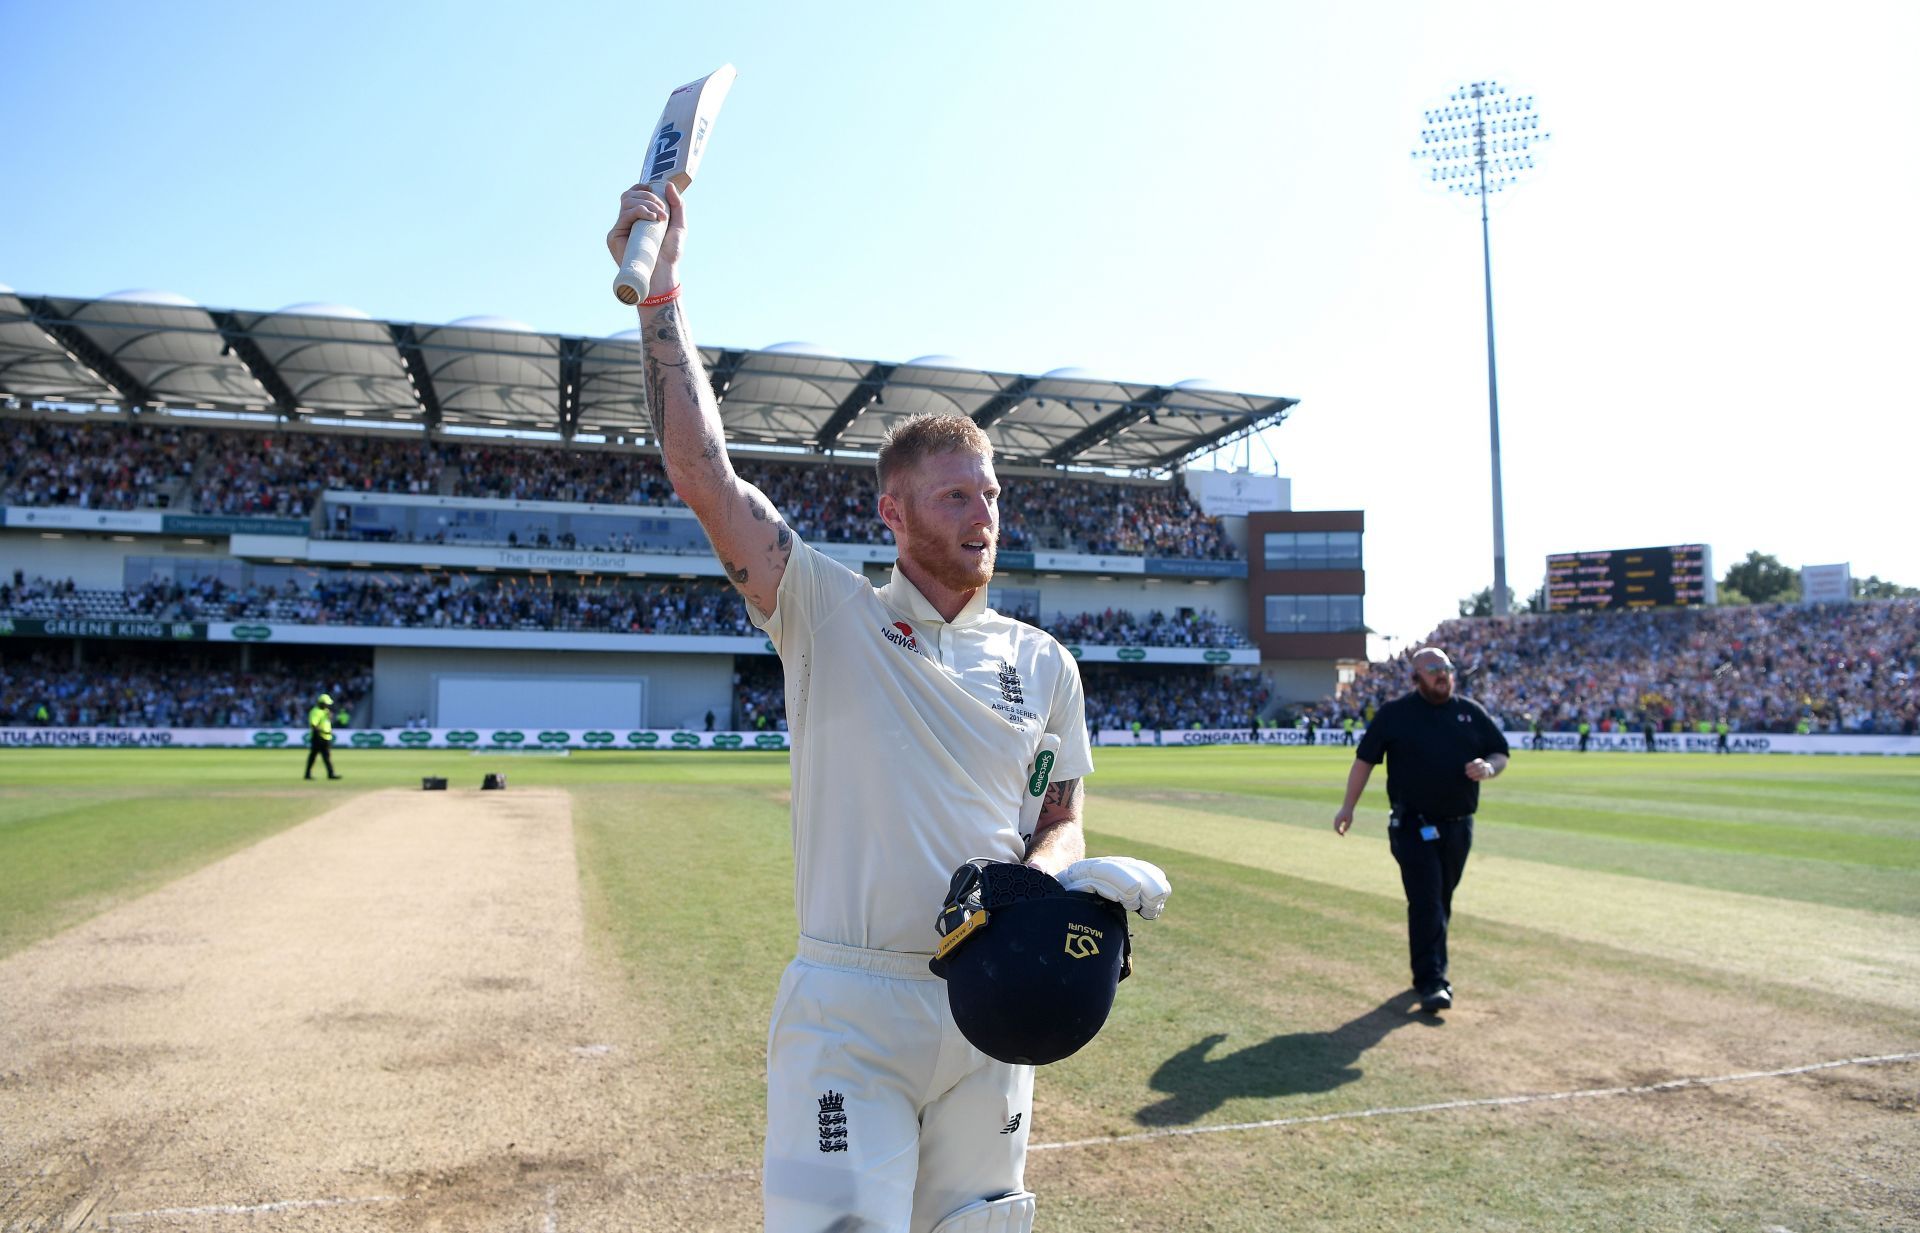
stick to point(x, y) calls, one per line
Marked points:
point(1067, 719)
point(812, 586)
point(1373, 742)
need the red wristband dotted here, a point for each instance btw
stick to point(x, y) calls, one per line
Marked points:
point(665, 297)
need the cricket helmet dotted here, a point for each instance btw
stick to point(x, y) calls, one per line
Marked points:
point(1031, 967)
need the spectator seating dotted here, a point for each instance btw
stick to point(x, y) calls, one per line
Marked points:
point(138, 687)
point(1763, 668)
point(1113, 627)
point(1174, 696)
point(111, 464)
point(106, 466)
point(494, 601)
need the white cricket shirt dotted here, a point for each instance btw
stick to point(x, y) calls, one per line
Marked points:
point(914, 741)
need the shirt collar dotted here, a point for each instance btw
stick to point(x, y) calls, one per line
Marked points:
point(903, 596)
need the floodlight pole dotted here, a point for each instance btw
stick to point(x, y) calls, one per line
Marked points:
point(1458, 144)
point(1500, 598)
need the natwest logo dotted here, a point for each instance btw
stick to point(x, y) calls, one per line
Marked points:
point(901, 634)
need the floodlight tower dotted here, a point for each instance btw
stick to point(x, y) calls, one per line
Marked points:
point(1478, 143)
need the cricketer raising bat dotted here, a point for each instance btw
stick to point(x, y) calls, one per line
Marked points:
point(678, 141)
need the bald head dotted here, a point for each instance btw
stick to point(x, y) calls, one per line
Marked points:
point(1433, 674)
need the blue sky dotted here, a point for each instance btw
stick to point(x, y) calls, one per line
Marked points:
point(1705, 295)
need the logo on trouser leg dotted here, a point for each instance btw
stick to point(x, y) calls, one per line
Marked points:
point(833, 1122)
point(1013, 1125)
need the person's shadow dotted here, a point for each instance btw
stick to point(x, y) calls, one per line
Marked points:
point(1289, 1065)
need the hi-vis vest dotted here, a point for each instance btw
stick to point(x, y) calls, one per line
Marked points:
point(320, 722)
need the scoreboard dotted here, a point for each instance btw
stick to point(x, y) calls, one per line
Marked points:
point(1680, 576)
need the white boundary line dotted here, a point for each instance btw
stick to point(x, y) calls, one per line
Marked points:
point(549, 1222)
point(237, 1209)
point(1482, 1103)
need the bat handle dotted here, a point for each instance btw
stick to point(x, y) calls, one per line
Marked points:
point(636, 268)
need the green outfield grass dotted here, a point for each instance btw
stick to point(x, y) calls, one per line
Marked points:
point(1626, 919)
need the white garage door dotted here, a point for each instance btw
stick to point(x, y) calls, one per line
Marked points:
point(508, 701)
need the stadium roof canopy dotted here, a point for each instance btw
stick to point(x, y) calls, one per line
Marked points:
point(156, 350)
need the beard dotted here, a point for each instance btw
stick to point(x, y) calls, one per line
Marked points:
point(1434, 693)
point(946, 563)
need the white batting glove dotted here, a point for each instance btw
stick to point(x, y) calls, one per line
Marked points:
point(1137, 885)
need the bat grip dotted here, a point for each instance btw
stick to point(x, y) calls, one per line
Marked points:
point(636, 269)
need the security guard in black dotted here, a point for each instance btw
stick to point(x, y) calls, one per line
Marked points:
point(1425, 746)
point(1438, 747)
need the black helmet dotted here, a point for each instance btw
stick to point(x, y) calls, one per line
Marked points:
point(1031, 967)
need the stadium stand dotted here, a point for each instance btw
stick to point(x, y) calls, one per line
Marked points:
point(135, 687)
point(96, 466)
point(1174, 697)
point(281, 474)
point(463, 601)
point(457, 503)
point(1186, 628)
point(1844, 668)
point(236, 472)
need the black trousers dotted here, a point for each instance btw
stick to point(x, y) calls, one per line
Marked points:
point(1429, 870)
point(323, 750)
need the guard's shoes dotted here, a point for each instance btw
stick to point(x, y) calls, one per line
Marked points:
point(1434, 1001)
point(336, 777)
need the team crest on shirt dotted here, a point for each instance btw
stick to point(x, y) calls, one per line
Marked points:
point(1012, 701)
point(901, 634)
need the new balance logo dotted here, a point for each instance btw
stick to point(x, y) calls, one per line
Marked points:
point(833, 1122)
point(1013, 1125)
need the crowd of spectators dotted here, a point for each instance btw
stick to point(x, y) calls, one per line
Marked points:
point(823, 504)
point(282, 474)
point(457, 601)
point(103, 466)
point(1117, 698)
point(507, 601)
point(234, 472)
point(1130, 519)
point(759, 695)
point(139, 689)
point(590, 477)
point(1113, 627)
point(1174, 696)
point(1851, 668)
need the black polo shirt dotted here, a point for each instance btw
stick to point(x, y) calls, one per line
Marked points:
point(1427, 748)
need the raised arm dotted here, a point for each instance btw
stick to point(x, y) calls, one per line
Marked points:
point(748, 534)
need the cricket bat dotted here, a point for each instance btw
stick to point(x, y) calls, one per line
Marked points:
point(679, 139)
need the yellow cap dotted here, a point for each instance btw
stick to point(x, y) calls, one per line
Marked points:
point(326, 699)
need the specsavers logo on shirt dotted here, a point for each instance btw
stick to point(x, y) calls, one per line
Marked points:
point(901, 634)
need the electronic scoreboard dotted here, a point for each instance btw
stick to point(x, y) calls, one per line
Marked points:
point(1680, 576)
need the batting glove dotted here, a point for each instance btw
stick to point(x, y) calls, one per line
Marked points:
point(1137, 885)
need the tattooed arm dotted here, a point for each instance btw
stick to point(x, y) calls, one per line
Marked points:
point(748, 534)
point(1058, 840)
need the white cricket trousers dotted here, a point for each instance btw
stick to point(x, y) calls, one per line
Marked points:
point(881, 1118)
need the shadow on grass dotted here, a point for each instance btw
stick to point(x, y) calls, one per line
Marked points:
point(1291, 1065)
